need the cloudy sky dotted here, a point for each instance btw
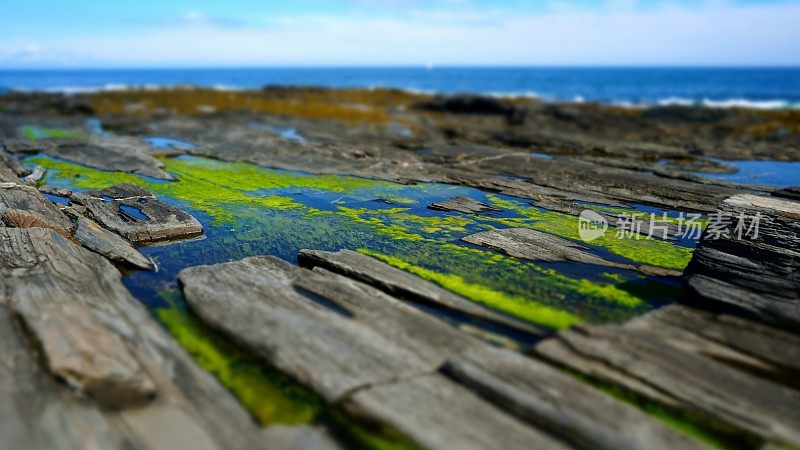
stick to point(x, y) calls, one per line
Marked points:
point(206, 33)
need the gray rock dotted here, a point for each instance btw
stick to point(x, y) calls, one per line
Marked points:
point(655, 362)
point(112, 246)
point(406, 286)
point(758, 273)
point(541, 395)
point(134, 213)
point(110, 355)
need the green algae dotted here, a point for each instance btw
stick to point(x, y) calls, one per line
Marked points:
point(271, 397)
point(646, 250)
point(517, 306)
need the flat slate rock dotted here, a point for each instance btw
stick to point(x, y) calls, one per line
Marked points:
point(260, 308)
point(118, 153)
point(439, 414)
point(135, 214)
point(758, 273)
point(478, 396)
point(653, 361)
point(103, 373)
point(540, 246)
point(23, 206)
point(403, 285)
point(111, 245)
point(7, 174)
point(354, 345)
point(464, 205)
point(541, 395)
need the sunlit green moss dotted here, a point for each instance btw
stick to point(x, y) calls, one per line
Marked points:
point(269, 396)
point(517, 306)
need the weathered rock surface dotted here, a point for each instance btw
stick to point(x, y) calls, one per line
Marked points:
point(464, 205)
point(760, 273)
point(479, 396)
point(699, 373)
point(125, 154)
point(540, 246)
point(558, 403)
point(23, 206)
point(7, 174)
point(403, 285)
point(143, 390)
point(111, 245)
point(137, 215)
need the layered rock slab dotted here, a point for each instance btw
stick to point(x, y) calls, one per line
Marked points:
point(699, 371)
point(403, 285)
point(464, 205)
point(757, 269)
point(124, 382)
point(135, 214)
point(257, 301)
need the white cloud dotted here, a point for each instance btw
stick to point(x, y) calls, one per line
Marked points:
point(620, 33)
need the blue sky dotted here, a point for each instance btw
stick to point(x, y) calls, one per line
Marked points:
point(203, 33)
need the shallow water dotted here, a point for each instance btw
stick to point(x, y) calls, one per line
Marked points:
point(769, 173)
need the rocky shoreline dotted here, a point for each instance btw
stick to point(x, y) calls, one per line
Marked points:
point(400, 355)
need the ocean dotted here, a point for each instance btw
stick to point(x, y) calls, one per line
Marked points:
point(716, 87)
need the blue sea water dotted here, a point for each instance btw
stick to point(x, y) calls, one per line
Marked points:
point(759, 87)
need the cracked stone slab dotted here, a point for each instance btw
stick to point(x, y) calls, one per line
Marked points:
point(539, 394)
point(652, 360)
point(758, 273)
point(135, 214)
point(354, 345)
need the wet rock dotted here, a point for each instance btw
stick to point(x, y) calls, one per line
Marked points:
point(540, 246)
point(464, 205)
point(759, 273)
point(23, 206)
point(109, 354)
point(406, 286)
point(134, 213)
point(656, 362)
point(111, 245)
